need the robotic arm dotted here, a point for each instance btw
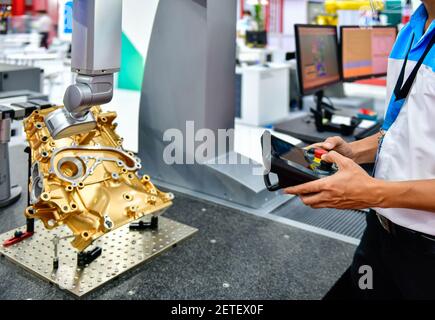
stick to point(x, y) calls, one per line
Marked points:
point(96, 55)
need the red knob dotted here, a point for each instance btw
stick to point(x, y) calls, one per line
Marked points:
point(318, 153)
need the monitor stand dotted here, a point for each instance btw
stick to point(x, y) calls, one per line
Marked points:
point(323, 114)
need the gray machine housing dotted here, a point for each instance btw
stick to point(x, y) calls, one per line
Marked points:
point(190, 76)
point(9, 112)
point(14, 78)
point(16, 82)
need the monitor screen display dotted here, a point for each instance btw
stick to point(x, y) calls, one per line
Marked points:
point(365, 51)
point(317, 56)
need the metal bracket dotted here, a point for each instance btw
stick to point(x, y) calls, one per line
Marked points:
point(141, 225)
point(86, 258)
point(18, 237)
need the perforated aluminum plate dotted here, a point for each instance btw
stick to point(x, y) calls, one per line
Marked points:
point(122, 250)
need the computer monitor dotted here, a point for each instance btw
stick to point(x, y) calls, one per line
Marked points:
point(365, 51)
point(257, 39)
point(317, 57)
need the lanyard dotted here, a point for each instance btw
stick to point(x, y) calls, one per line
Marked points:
point(401, 90)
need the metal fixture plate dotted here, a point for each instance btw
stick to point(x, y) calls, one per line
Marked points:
point(122, 250)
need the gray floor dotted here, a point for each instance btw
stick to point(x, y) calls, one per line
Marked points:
point(249, 258)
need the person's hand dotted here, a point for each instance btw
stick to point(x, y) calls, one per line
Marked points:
point(350, 188)
point(335, 144)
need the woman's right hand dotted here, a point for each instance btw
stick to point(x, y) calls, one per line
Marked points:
point(336, 144)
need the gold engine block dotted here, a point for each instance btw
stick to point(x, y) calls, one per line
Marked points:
point(87, 182)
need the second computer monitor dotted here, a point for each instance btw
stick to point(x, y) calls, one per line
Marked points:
point(317, 57)
point(365, 51)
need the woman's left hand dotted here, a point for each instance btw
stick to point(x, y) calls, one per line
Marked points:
point(350, 188)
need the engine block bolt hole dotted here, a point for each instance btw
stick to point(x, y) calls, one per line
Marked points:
point(127, 197)
point(45, 196)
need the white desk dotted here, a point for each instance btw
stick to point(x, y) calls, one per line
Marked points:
point(30, 59)
point(259, 55)
point(20, 39)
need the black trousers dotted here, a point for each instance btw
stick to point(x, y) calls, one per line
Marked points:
point(400, 269)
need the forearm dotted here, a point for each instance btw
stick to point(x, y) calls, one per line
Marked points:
point(364, 151)
point(417, 195)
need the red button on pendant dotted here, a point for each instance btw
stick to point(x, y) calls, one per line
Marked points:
point(318, 153)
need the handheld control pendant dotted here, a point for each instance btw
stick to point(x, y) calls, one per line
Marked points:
point(291, 164)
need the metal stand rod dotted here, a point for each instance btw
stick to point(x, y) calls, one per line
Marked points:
point(56, 241)
point(30, 223)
